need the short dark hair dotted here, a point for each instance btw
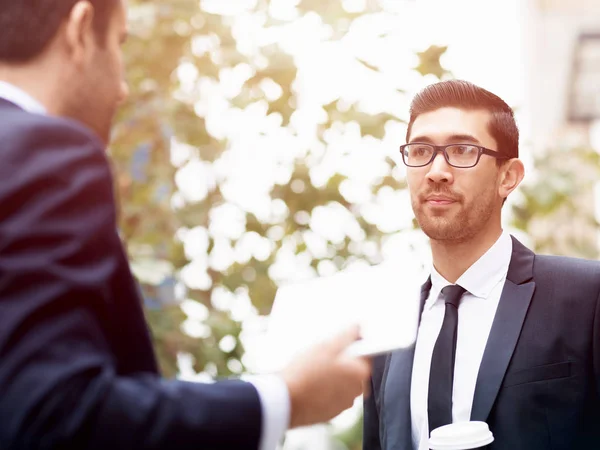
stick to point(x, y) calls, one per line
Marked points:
point(465, 95)
point(28, 26)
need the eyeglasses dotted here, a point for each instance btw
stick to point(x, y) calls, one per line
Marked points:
point(461, 156)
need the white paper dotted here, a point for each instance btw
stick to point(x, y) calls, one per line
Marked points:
point(384, 300)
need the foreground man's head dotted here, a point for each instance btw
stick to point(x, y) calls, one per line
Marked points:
point(67, 54)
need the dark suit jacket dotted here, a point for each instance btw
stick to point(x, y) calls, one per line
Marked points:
point(538, 386)
point(77, 368)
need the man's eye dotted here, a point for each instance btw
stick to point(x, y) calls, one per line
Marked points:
point(462, 149)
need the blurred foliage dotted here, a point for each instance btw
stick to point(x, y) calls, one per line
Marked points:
point(162, 112)
point(429, 61)
point(556, 205)
point(352, 437)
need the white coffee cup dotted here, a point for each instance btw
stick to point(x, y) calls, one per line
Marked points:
point(461, 436)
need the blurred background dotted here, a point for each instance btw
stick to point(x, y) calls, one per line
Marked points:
point(260, 147)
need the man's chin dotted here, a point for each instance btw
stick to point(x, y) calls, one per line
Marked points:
point(440, 229)
point(438, 235)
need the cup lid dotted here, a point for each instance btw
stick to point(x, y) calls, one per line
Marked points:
point(461, 436)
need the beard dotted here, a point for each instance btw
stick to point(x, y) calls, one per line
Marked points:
point(458, 224)
point(97, 119)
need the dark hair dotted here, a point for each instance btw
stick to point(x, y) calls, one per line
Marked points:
point(28, 26)
point(464, 95)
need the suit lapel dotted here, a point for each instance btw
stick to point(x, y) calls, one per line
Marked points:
point(396, 392)
point(506, 329)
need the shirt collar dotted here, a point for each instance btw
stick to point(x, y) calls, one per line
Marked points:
point(483, 275)
point(20, 98)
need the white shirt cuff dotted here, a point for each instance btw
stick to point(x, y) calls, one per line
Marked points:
point(275, 404)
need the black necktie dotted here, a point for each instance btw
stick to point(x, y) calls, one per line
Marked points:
point(441, 377)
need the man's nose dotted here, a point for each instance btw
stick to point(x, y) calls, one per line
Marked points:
point(439, 170)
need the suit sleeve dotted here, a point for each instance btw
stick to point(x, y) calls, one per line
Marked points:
point(59, 386)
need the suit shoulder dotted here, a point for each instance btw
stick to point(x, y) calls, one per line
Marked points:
point(52, 163)
point(563, 267)
point(36, 147)
point(21, 130)
point(567, 263)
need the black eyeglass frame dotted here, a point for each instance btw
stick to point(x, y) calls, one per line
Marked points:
point(442, 149)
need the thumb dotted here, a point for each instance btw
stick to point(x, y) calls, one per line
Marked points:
point(340, 342)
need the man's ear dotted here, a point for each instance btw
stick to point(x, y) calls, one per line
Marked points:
point(79, 36)
point(512, 173)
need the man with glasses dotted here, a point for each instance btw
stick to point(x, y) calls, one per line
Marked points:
point(505, 336)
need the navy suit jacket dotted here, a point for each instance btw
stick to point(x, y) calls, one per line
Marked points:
point(77, 368)
point(538, 385)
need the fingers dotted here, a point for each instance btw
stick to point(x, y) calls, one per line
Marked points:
point(358, 372)
point(361, 367)
point(367, 364)
point(339, 343)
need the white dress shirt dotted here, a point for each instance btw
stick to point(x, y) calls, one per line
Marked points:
point(272, 390)
point(483, 281)
point(20, 98)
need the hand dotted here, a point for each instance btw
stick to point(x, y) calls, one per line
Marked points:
point(324, 382)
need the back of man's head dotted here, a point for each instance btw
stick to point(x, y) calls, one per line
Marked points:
point(468, 96)
point(28, 26)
